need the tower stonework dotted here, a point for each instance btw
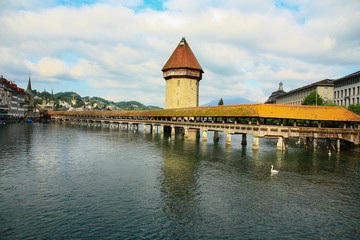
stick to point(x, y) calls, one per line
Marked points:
point(182, 74)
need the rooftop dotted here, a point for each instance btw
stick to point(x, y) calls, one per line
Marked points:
point(354, 74)
point(325, 82)
point(182, 57)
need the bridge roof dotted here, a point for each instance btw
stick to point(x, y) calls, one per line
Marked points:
point(298, 112)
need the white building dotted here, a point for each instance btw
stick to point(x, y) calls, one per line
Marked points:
point(347, 90)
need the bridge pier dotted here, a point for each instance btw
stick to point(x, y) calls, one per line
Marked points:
point(186, 132)
point(243, 141)
point(338, 142)
point(172, 131)
point(255, 145)
point(204, 137)
point(216, 136)
point(153, 128)
point(280, 144)
point(228, 139)
point(311, 143)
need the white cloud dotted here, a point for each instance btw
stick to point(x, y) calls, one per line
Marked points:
point(245, 47)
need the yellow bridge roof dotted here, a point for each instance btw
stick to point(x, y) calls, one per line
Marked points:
point(299, 112)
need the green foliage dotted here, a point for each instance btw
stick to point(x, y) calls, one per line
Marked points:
point(331, 104)
point(66, 95)
point(354, 108)
point(37, 101)
point(79, 104)
point(313, 99)
point(221, 102)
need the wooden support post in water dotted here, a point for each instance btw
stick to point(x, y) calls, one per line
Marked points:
point(144, 127)
point(338, 142)
point(315, 144)
point(153, 128)
point(243, 141)
point(216, 136)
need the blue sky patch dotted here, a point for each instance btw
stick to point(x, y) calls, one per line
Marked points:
point(289, 6)
point(156, 5)
point(70, 57)
point(76, 3)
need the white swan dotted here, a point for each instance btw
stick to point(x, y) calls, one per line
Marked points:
point(273, 171)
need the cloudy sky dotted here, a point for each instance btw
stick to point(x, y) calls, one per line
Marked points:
point(115, 49)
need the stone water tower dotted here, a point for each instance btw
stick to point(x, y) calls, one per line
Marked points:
point(182, 73)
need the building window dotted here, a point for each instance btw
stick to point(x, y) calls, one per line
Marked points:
point(354, 91)
point(326, 90)
point(342, 91)
point(358, 90)
point(345, 92)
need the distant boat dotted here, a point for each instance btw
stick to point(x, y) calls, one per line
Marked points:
point(29, 121)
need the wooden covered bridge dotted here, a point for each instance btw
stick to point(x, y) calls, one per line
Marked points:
point(334, 124)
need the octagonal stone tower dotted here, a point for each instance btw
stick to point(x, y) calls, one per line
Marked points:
point(182, 73)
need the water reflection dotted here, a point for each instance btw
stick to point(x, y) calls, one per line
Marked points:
point(179, 185)
point(123, 184)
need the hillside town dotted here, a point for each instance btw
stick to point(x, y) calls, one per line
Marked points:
point(17, 103)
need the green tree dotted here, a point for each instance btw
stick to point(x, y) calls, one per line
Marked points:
point(221, 102)
point(79, 104)
point(354, 108)
point(313, 99)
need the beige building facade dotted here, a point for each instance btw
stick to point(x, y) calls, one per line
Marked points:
point(324, 88)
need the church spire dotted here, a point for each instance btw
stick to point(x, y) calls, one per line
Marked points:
point(29, 90)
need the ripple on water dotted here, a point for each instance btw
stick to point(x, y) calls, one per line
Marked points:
point(61, 182)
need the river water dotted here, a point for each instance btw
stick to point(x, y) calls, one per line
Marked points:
point(72, 182)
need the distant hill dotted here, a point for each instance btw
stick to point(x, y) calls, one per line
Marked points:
point(68, 96)
point(229, 101)
point(134, 105)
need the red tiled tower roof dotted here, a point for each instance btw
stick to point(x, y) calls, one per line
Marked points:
point(182, 57)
